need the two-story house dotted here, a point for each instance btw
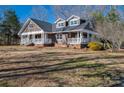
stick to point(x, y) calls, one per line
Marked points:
point(72, 32)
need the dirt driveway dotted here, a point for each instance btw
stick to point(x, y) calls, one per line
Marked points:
point(32, 66)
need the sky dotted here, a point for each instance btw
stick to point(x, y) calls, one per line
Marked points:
point(24, 11)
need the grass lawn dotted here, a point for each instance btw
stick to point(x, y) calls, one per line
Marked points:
point(32, 66)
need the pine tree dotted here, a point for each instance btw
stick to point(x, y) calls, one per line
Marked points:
point(11, 26)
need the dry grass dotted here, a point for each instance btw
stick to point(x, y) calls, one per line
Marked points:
point(32, 66)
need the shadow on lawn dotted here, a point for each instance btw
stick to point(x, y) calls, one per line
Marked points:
point(50, 68)
point(42, 58)
point(66, 65)
point(37, 58)
point(115, 75)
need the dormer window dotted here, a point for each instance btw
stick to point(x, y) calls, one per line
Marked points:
point(60, 23)
point(73, 20)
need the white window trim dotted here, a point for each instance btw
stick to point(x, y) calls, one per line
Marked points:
point(58, 36)
point(78, 22)
point(57, 25)
point(59, 19)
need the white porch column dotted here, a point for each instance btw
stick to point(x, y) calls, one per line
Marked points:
point(27, 40)
point(45, 37)
point(33, 36)
point(41, 39)
point(21, 42)
point(81, 37)
point(78, 36)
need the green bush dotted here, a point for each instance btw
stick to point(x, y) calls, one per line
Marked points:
point(95, 46)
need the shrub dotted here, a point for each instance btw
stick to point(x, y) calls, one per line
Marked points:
point(95, 46)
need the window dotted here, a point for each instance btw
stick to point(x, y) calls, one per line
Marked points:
point(30, 25)
point(73, 22)
point(85, 35)
point(59, 36)
point(60, 24)
point(24, 36)
point(38, 36)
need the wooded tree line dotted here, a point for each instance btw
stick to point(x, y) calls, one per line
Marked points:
point(9, 27)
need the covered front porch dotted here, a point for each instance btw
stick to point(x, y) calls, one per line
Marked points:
point(35, 38)
point(74, 37)
point(78, 38)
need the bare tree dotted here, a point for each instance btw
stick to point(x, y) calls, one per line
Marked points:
point(65, 11)
point(111, 29)
point(111, 33)
point(39, 12)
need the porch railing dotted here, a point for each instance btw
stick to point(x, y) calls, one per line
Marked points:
point(85, 40)
point(78, 40)
point(74, 41)
point(36, 41)
point(60, 40)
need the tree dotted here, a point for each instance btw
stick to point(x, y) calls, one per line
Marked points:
point(65, 11)
point(10, 26)
point(40, 12)
point(110, 28)
point(113, 15)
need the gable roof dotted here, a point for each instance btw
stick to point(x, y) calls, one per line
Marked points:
point(47, 27)
point(72, 17)
point(59, 19)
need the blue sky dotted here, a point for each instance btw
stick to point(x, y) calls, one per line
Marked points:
point(24, 11)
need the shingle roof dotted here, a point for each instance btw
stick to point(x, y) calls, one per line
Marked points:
point(83, 25)
point(47, 27)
